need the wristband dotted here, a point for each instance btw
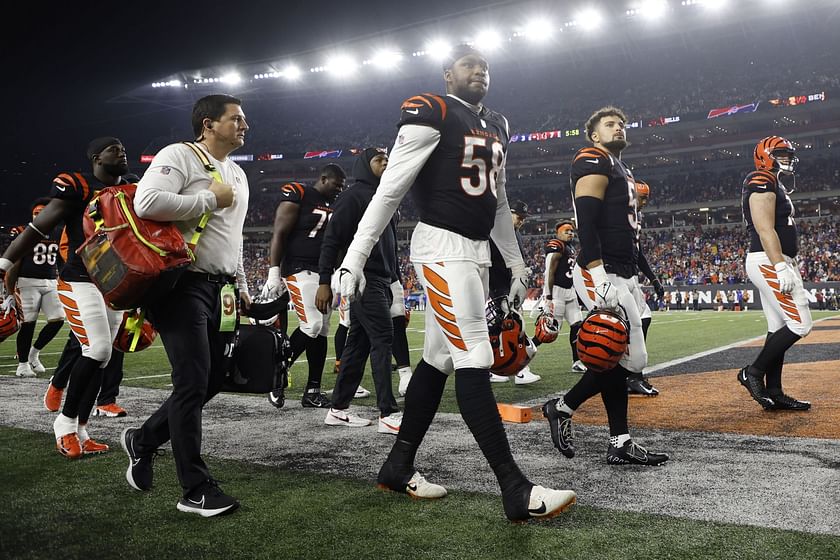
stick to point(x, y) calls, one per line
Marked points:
point(5, 264)
point(780, 266)
point(599, 275)
point(274, 273)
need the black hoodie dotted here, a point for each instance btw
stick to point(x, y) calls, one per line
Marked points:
point(348, 210)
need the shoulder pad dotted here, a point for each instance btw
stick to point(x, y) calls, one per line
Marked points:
point(70, 186)
point(555, 246)
point(426, 109)
point(592, 161)
point(292, 192)
point(760, 181)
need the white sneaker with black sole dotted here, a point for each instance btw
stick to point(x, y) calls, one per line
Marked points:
point(390, 424)
point(336, 417)
point(25, 370)
point(361, 393)
point(35, 363)
point(498, 378)
point(526, 377)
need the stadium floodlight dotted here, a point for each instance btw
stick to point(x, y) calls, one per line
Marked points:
point(488, 40)
point(589, 19)
point(341, 65)
point(538, 29)
point(386, 59)
point(715, 5)
point(438, 49)
point(231, 78)
point(653, 9)
point(291, 72)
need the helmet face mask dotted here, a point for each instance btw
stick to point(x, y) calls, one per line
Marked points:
point(785, 160)
point(512, 349)
point(776, 154)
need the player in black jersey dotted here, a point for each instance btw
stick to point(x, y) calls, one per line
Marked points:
point(605, 276)
point(34, 276)
point(771, 265)
point(94, 323)
point(558, 290)
point(452, 149)
point(299, 225)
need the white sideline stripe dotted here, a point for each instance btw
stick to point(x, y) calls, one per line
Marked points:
point(705, 353)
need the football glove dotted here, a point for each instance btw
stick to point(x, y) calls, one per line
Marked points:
point(606, 296)
point(518, 286)
point(351, 276)
point(274, 286)
point(658, 288)
point(786, 277)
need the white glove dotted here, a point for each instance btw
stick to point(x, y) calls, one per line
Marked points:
point(786, 277)
point(518, 286)
point(274, 286)
point(7, 305)
point(351, 276)
point(606, 295)
point(538, 308)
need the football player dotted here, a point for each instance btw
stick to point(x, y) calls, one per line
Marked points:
point(771, 266)
point(299, 225)
point(94, 323)
point(558, 291)
point(636, 382)
point(35, 278)
point(605, 276)
point(452, 150)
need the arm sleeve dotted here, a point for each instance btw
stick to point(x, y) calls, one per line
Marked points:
point(340, 229)
point(415, 143)
point(158, 192)
point(241, 278)
point(502, 233)
point(644, 266)
point(548, 281)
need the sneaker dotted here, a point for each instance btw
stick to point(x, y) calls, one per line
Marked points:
point(90, 447)
point(208, 501)
point(361, 393)
point(578, 367)
point(52, 398)
point(414, 484)
point(36, 365)
point(277, 397)
point(313, 398)
point(782, 401)
point(638, 386)
point(24, 370)
point(498, 378)
point(560, 423)
point(526, 377)
point(632, 453)
point(336, 417)
point(69, 445)
point(755, 386)
point(139, 473)
point(390, 424)
point(536, 502)
point(405, 379)
point(111, 410)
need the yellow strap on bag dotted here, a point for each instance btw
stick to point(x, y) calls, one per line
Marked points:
point(214, 173)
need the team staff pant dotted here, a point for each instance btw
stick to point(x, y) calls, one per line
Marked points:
point(371, 333)
point(187, 321)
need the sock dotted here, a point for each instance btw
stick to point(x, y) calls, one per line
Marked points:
point(774, 348)
point(645, 326)
point(80, 376)
point(613, 384)
point(83, 433)
point(64, 425)
point(24, 341)
point(316, 355)
point(619, 440)
point(340, 341)
point(774, 376)
point(34, 354)
point(573, 334)
point(561, 406)
point(400, 344)
point(298, 342)
point(89, 396)
point(47, 334)
point(586, 388)
point(479, 410)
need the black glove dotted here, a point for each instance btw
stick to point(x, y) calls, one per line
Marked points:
point(657, 287)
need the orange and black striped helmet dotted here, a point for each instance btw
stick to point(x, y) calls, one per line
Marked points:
point(512, 349)
point(642, 188)
point(603, 339)
point(11, 316)
point(546, 329)
point(768, 149)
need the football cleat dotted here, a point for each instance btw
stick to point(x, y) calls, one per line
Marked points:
point(637, 385)
point(498, 378)
point(412, 484)
point(69, 445)
point(277, 397)
point(25, 370)
point(111, 410)
point(633, 454)
point(313, 398)
point(578, 367)
point(526, 377)
point(536, 502)
point(52, 398)
point(90, 447)
point(361, 393)
point(755, 386)
point(560, 424)
point(782, 401)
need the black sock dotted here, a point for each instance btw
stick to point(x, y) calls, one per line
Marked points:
point(613, 385)
point(47, 334)
point(645, 326)
point(400, 344)
point(586, 388)
point(316, 355)
point(89, 396)
point(773, 378)
point(72, 352)
point(84, 370)
point(340, 340)
point(774, 349)
point(421, 403)
point(298, 341)
point(24, 341)
point(573, 334)
point(283, 316)
point(479, 410)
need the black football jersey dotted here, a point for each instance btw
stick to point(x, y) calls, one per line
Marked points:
point(563, 272)
point(456, 188)
point(618, 224)
point(762, 182)
point(303, 246)
point(78, 188)
point(42, 261)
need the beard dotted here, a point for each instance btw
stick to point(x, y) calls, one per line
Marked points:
point(616, 145)
point(115, 169)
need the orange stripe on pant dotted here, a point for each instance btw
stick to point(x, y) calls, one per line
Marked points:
point(297, 299)
point(71, 312)
point(441, 304)
point(587, 281)
point(785, 300)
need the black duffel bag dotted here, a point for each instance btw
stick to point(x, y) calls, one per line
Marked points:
point(261, 360)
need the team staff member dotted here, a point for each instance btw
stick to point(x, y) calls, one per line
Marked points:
point(371, 331)
point(771, 265)
point(196, 320)
point(93, 323)
point(35, 278)
point(453, 150)
point(606, 213)
point(299, 224)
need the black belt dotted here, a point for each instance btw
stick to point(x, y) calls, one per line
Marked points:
point(212, 278)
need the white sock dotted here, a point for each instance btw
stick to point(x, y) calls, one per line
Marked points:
point(34, 353)
point(619, 441)
point(561, 406)
point(83, 433)
point(64, 425)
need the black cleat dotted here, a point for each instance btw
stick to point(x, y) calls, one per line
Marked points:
point(277, 397)
point(208, 501)
point(782, 401)
point(560, 423)
point(637, 385)
point(755, 385)
point(313, 398)
point(633, 454)
point(139, 473)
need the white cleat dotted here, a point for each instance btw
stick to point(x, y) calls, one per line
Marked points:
point(419, 487)
point(578, 367)
point(390, 424)
point(525, 376)
point(498, 378)
point(24, 370)
point(361, 393)
point(546, 503)
point(336, 417)
point(36, 365)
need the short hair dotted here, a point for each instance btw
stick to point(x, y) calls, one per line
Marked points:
point(210, 107)
point(608, 111)
point(333, 170)
point(561, 223)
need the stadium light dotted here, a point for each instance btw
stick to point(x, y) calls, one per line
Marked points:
point(386, 59)
point(538, 30)
point(653, 9)
point(589, 19)
point(488, 40)
point(715, 5)
point(341, 65)
point(291, 72)
point(231, 78)
point(438, 49)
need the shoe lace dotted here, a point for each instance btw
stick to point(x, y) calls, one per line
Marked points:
point(636, 449)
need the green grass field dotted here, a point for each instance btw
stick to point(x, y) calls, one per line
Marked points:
point(55, 509)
